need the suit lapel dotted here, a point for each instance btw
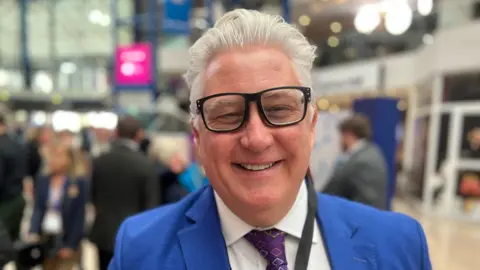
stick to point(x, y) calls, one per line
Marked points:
point(338, 235)
point(202, 242)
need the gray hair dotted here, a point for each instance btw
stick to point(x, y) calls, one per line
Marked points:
point(240, 28)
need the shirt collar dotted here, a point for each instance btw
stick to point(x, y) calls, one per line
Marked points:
point(129, 143)
point(234, 228)
point(356, 147)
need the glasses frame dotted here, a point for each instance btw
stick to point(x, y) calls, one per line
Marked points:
point(257, 98)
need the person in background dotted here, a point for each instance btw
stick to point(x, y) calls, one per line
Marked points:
point(33, 160)
point(101, 143)
point(123, 183)
point(12, 172)
point(254, 117)
point(59, 213)
point(362, 174)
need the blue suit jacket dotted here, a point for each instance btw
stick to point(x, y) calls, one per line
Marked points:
point(72, 208)
point(188, 235)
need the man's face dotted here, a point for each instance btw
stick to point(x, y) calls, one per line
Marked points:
point(250, 70)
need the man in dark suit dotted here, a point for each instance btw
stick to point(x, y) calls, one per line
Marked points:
point(361, 175)
point(124, 183)
point(12, 171)
point(253, 118)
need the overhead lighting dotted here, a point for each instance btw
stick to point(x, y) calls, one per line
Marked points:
point(304, 20)
point(68, 68)
point(43, 82)
point(333, 41)
point(323, 104)
point(398, 18)
point(424, 7)
point(367, 19)
point(4, 78)
point(98, 17)
point(336, 27)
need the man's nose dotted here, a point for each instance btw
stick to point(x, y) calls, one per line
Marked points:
point(256, 136)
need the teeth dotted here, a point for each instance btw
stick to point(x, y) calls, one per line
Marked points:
point(257, 167)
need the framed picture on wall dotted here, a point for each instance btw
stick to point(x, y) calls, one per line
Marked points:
point(470, 147)
point(468, 189)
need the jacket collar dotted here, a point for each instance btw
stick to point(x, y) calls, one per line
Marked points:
point(338, 231)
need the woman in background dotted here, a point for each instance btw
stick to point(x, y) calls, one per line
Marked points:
point(59, 212)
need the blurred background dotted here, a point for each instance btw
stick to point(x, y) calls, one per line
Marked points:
point(74, 67)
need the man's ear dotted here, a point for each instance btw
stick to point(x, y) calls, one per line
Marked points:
point(195, 138)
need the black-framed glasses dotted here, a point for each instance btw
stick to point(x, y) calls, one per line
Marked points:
point(279, 107)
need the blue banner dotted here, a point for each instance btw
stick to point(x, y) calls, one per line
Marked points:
point(384, 116)
point(176, 15)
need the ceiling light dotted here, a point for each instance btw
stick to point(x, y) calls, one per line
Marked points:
point(323, 104)
point(398, 18)
point(95, 15)
point(304, 20)
point(4, 78)
point(367, 19)
point(98, 17)
point(424, 7)
point(336, 27)
point(333, 41)
point(68, 68)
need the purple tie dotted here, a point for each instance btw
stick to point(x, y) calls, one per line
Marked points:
point(271, 245)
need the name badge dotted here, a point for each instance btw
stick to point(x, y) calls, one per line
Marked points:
point(73, 191)
point(52, 222)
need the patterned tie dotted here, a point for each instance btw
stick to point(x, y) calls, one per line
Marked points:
point(271, 245)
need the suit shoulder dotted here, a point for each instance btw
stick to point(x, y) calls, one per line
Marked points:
point(158, 225)
point(372, 219)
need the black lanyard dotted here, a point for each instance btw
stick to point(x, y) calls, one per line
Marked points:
point(305, 245)
point(303, 251)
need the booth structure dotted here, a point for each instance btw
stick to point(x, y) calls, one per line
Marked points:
point(442, 128)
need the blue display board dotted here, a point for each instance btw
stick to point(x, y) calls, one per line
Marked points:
point(384, 117)
point(176, 15)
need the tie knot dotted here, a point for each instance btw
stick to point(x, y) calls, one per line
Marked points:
point(271, 245)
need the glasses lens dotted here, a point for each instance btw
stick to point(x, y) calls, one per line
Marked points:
point(224, 113)
point(283, 106)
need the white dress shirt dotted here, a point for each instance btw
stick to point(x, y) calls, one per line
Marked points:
point(243, 256)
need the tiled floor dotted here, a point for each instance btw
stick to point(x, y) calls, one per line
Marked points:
point(454, 245)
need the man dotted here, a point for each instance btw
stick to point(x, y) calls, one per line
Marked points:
point(12, 171)
point(361, 175)
point(123, 183)
point(254, 123)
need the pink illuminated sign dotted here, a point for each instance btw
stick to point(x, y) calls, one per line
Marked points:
point(134, 64)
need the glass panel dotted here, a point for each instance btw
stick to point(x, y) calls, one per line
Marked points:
point(462, 87)
point(470, 146)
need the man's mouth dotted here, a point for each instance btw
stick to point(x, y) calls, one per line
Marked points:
point(256, 167)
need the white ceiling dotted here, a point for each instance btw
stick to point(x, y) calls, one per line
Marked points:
point(74, 34)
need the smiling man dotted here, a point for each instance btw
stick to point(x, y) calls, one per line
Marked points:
point(254, 122)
